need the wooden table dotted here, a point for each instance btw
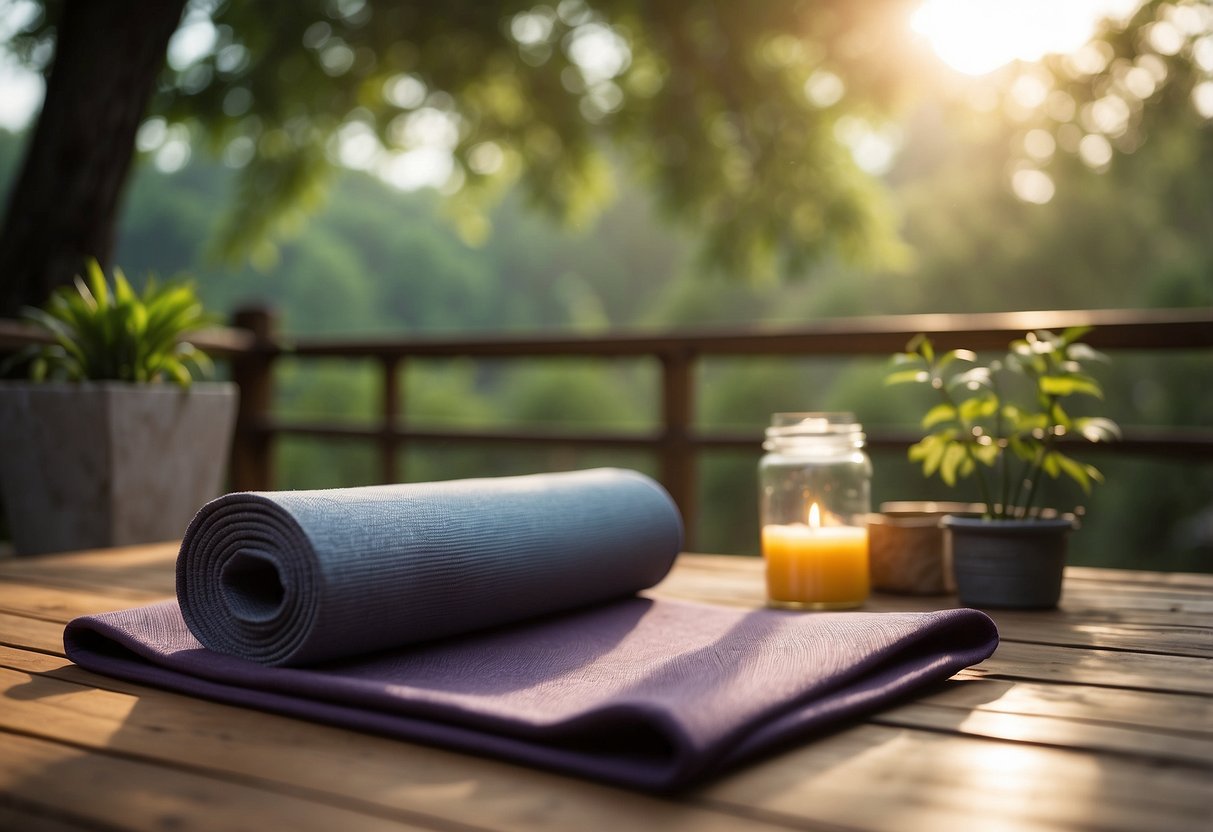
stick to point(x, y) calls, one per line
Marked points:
point(1099, 716)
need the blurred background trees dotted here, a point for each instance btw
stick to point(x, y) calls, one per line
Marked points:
point(369, 168)
point(703, 100)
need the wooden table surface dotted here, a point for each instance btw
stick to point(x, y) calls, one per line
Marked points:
point(1098, 716)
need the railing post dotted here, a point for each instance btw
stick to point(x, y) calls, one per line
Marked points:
point(252, 446)
point(389, 444)
point(677, 454)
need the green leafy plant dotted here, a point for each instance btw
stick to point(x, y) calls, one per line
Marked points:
point(116, 334)
point(978, 429)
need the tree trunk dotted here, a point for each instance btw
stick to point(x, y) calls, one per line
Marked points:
point(64, 204)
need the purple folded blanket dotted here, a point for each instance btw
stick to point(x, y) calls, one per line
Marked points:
point(646, 693)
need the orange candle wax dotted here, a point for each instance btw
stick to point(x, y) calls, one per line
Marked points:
point(816, 567)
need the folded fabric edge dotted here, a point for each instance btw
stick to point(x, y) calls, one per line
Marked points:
point(592, 748)
point(957, 639)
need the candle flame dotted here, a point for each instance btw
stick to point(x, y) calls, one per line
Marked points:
point(814, 516)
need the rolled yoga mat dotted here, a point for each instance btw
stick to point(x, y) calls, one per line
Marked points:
point(646, 693)
point(297, 577)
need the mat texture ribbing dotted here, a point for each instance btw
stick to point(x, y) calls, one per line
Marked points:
point(296, 577)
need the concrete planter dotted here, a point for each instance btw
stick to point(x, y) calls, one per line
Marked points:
point(1009, 564)
point(109, 463)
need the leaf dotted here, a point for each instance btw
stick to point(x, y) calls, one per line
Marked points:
point(1056, 386)
point(975, 409)
point(1097, 429)
point(900, 358)
point(1068, 385)
point(966, 467)
point(985, 454)
point(1024, 449)
point(1031, 422)
point(65, 336)
point(939, 413)
point(1059, 417)
point(1051, 464)
point(1082, 352)
point(123, 294)
point(38, 368)
point(96, 283)
point(1075, 470)
point(178, 372)
point(1044, 342)
point(1073, 333)
point(953, 455)
point(951, 356)
point(921, 344)
point(906, 376)
point(191, 355)
point(972, 379)
point(930, 451)
point(1027, 361)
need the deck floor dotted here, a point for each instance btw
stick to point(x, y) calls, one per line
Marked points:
point(1097, 716)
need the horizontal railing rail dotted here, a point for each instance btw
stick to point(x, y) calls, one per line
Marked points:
point(676, 441)
point(253, 347)
point(1151, 329)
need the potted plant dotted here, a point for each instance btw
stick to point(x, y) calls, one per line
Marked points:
point(110, 442)
point(1003, 424)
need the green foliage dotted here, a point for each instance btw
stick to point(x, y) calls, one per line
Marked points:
point(103, 333)
point(1174, 69)
point(703, 100)
point(566, 395)
point(978, 429)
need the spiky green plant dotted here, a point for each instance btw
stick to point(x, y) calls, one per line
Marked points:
point(102, 333)
point(1009, 447)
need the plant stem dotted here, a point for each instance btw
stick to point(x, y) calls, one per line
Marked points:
point(982, 486)
point(1004, 473)
point(1032, 489)
point(1031, 471)
point(1041, 454)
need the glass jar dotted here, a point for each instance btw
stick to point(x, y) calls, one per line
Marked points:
point(815, 495)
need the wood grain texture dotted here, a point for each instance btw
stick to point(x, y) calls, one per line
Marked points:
point(1096, 716)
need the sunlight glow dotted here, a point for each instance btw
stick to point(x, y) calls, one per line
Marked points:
point(193, 40)
point(1202, 99)
point(22, 90)
point(22, 96)
point(874, 148)
point(1032, 185)
point(426, 167)
point(979, 36)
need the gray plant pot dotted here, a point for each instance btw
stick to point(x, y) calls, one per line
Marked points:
point(1009, 564)
point(99, 464)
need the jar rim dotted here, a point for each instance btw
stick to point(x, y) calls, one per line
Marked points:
point(810, 423)
point(791, 430)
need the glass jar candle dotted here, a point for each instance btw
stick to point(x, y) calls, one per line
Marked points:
point(815, 495)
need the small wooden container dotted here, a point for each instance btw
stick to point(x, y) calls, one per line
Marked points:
point(906, 549)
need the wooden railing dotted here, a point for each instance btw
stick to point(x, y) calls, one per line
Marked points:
point(676, 442)
point(252, 347)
